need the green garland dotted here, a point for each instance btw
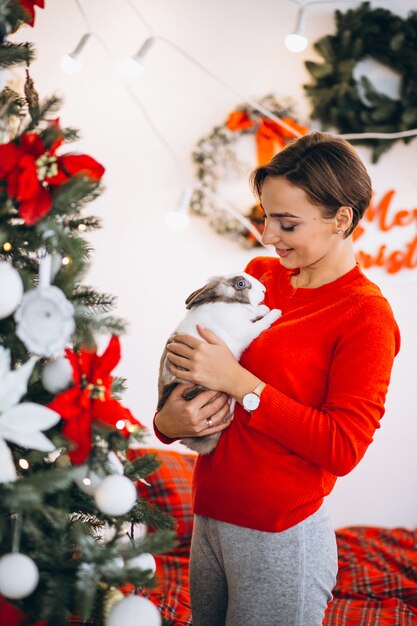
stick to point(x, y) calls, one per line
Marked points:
point(354, 106)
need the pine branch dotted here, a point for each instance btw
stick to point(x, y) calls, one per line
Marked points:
point(13, 54)
point(142, 466)
point(89, 297)
point(118, 387)
point(145, 512)
point(46, 108)
point(72, 196)
point(71, 134)
point(87, 223)
point(87, 323)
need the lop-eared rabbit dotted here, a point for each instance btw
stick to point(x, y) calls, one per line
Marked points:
point(230, 306)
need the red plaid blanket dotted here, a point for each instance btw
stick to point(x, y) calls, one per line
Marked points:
point(377, 580)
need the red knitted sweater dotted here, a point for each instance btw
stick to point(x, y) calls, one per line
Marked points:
point(327, 363)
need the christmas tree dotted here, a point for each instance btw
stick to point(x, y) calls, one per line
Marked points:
point(69, 510)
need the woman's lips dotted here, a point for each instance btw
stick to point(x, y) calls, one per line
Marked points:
point(283, 252)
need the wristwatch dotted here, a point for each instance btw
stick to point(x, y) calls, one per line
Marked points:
point(251, 401)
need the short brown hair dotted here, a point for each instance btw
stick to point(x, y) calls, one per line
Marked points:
point(327, 168)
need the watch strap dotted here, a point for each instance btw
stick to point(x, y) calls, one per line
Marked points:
point(259, 388)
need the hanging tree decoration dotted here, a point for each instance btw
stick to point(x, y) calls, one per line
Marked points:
point(91, 399)
point(349, 105)
point(215, 157)
point(20, 422)
point(45, 318)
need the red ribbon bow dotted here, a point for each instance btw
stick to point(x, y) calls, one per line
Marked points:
point(270, 135)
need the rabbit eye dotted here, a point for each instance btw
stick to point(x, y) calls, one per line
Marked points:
point(240, 284)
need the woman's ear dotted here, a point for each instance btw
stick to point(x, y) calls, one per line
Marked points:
point(344, 218)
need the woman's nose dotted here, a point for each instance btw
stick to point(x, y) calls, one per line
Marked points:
point(268, 236)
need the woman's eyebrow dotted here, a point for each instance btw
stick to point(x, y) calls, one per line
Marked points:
point(297, 217)
point(286, 214)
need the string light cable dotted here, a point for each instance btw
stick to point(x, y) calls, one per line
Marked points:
point(140, 55)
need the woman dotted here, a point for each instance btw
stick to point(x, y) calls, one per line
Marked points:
point(314, 387)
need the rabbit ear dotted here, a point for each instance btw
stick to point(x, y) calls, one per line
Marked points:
point(205, 294)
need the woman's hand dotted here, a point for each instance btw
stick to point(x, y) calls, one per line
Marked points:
point(209, 363)
point(206, 414)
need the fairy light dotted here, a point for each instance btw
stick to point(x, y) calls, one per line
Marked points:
point(87, 481)
point(297, 41)
point(24, 464)
point(82, 227)
point(7, 246)
point(178, 220)
point(120, 424)
point(71, 63)
point(65, 260)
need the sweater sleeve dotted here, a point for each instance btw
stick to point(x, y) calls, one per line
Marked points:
point(336, 435)
point(162, 438)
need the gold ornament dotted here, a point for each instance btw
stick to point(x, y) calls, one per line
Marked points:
point(111, 597)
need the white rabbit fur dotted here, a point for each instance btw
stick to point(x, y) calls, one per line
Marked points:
point(235, 314)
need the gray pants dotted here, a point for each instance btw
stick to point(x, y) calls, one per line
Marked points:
point(244, 577)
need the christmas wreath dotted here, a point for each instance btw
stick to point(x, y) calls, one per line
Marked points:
point(352, 106)
point(215, 158)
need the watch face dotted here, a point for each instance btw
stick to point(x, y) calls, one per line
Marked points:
point(251, 401)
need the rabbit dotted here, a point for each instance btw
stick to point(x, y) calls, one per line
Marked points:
point(230, 306)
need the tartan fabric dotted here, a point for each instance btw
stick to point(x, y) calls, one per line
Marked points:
point(377, 579)
point(170, 489)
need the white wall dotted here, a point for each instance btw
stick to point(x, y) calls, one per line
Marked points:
point(151, 269)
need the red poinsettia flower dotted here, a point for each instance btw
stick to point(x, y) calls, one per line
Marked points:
point(90, 399)
point(11, 615)
point(29, 7)
point(32, 170)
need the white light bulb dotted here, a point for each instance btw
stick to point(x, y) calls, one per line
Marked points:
point(176, 221)
point(70, 65)
point(120, 424)
point(296, 42)
point(131, 67)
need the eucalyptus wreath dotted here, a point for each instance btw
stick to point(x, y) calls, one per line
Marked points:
point(350, 105)
point(215, 157)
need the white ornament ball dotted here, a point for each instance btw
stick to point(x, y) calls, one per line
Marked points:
point(134, 611)
point(11, 291)
point(144, 561)
point(115, 495)
point(85, 479)
point(19, 575)
point(57, 375)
